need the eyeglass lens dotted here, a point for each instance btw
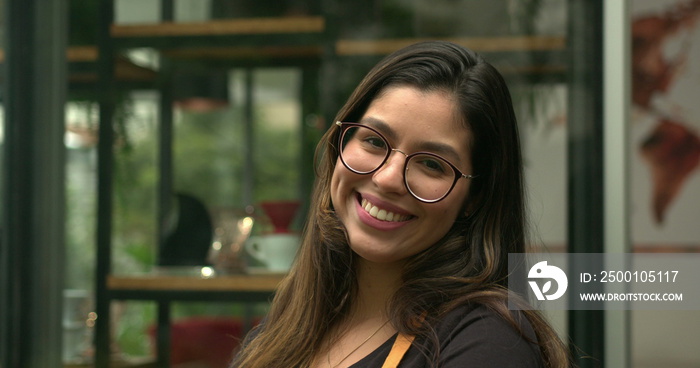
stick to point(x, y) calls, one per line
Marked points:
point(427, 176)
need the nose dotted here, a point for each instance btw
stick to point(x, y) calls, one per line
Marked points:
point(389, 177)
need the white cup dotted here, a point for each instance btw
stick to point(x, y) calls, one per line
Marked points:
point(275, 251)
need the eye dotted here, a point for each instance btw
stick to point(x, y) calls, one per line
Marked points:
point(431, 165)
point(370, 140)
point(375, 142)
point(434, 165)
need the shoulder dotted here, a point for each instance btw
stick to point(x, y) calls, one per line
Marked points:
point(478, 336)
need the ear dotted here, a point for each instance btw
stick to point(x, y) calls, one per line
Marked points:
point(473, 202)
point(467, 208)
point(464, 214)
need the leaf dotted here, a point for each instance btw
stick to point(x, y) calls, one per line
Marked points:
point(546, 287)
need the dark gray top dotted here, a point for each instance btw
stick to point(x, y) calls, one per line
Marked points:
point(469, 337)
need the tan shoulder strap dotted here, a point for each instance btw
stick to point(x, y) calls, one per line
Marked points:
point(401, 345)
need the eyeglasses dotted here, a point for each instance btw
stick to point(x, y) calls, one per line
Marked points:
point(427, 176)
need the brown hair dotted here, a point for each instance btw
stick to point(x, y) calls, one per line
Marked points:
point(468, 265)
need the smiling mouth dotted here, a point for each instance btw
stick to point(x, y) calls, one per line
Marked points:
point(382, 214)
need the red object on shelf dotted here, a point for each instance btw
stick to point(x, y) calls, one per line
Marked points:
point(281, 213)
point(208, 342)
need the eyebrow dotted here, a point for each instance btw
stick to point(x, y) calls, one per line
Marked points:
point(441, 149)
point(381, 126)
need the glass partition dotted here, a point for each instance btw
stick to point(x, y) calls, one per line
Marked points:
point(279, 70)
point(276, 73)
point(663, 159)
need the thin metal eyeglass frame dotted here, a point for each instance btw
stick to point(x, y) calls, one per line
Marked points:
point(343, 126)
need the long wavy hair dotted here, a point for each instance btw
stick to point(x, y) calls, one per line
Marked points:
point(468, 265)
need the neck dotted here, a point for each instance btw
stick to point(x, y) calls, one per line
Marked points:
point(377, 283)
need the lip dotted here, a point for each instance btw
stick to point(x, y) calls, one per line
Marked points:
point(375, 223)
point(382, 204)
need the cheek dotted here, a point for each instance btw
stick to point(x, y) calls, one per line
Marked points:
point(445, 218)
point(463, 198)
point(452, 208)
point(336, 183)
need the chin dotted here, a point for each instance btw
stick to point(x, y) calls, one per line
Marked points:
point(379, 253)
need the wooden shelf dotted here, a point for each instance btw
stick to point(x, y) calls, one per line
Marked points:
point(73, 54)
point(232, 283)
point(248, 26)
point(124, 363)
point(251, 52)
point(82, 61)
point(480, 44)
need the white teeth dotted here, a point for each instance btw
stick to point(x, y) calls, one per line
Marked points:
point(382, 214)
point(373, 211)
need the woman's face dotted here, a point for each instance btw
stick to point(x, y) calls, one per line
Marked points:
point(411, 120)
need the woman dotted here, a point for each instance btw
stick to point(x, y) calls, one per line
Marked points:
point(418, 201)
